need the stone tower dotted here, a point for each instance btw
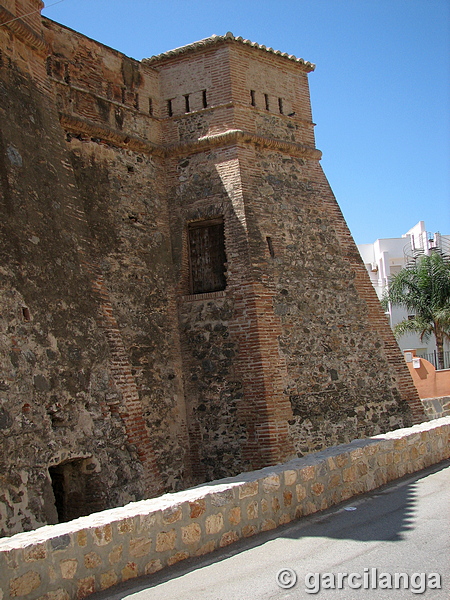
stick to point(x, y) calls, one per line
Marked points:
point(290, 351)
point(181, 297)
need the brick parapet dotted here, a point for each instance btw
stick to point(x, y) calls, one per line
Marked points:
point(26, 27)
point(72, 560)
point(22, 44)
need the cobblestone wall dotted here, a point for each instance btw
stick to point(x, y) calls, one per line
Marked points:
point(88, 344)
point(435, 408)
point(72, 560)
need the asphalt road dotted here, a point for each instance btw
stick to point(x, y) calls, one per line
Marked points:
point(400, 528)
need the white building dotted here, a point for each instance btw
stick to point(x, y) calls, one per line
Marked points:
point(386, 257)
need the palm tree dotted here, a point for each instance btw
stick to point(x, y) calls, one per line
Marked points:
point(423, 289)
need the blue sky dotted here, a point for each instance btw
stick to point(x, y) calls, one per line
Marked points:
point(380, 92)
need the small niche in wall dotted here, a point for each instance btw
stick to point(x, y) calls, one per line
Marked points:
point(187, 106)
point(66, 74)
point(270, 246)
point(26, 313)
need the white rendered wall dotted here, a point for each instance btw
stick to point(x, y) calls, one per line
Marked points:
point(384, 258)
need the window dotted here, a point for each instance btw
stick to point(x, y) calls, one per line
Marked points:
point(252, 98)
point(266, 100)
point(280, 105)
point(395, 269)
point(205, 99)
point(169, 108)
point(187, 107)
point(207, 256)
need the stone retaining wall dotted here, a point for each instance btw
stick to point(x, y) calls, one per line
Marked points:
point(72, 560)
point(435, 408)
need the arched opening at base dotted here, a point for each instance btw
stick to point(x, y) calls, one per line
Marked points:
point(77, 491)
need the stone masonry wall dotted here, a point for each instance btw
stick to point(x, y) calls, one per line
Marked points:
point(70, 561)
point(331, 376)
point(90, 354)
point(435, 408)
point(209, 351)
point(56, 375)
point(122, 187)
point(397, 370)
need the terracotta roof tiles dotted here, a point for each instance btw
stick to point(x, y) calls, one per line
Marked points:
point(228, 37)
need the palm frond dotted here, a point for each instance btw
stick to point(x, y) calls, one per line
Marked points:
point(418, 326)
point(424, 290)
